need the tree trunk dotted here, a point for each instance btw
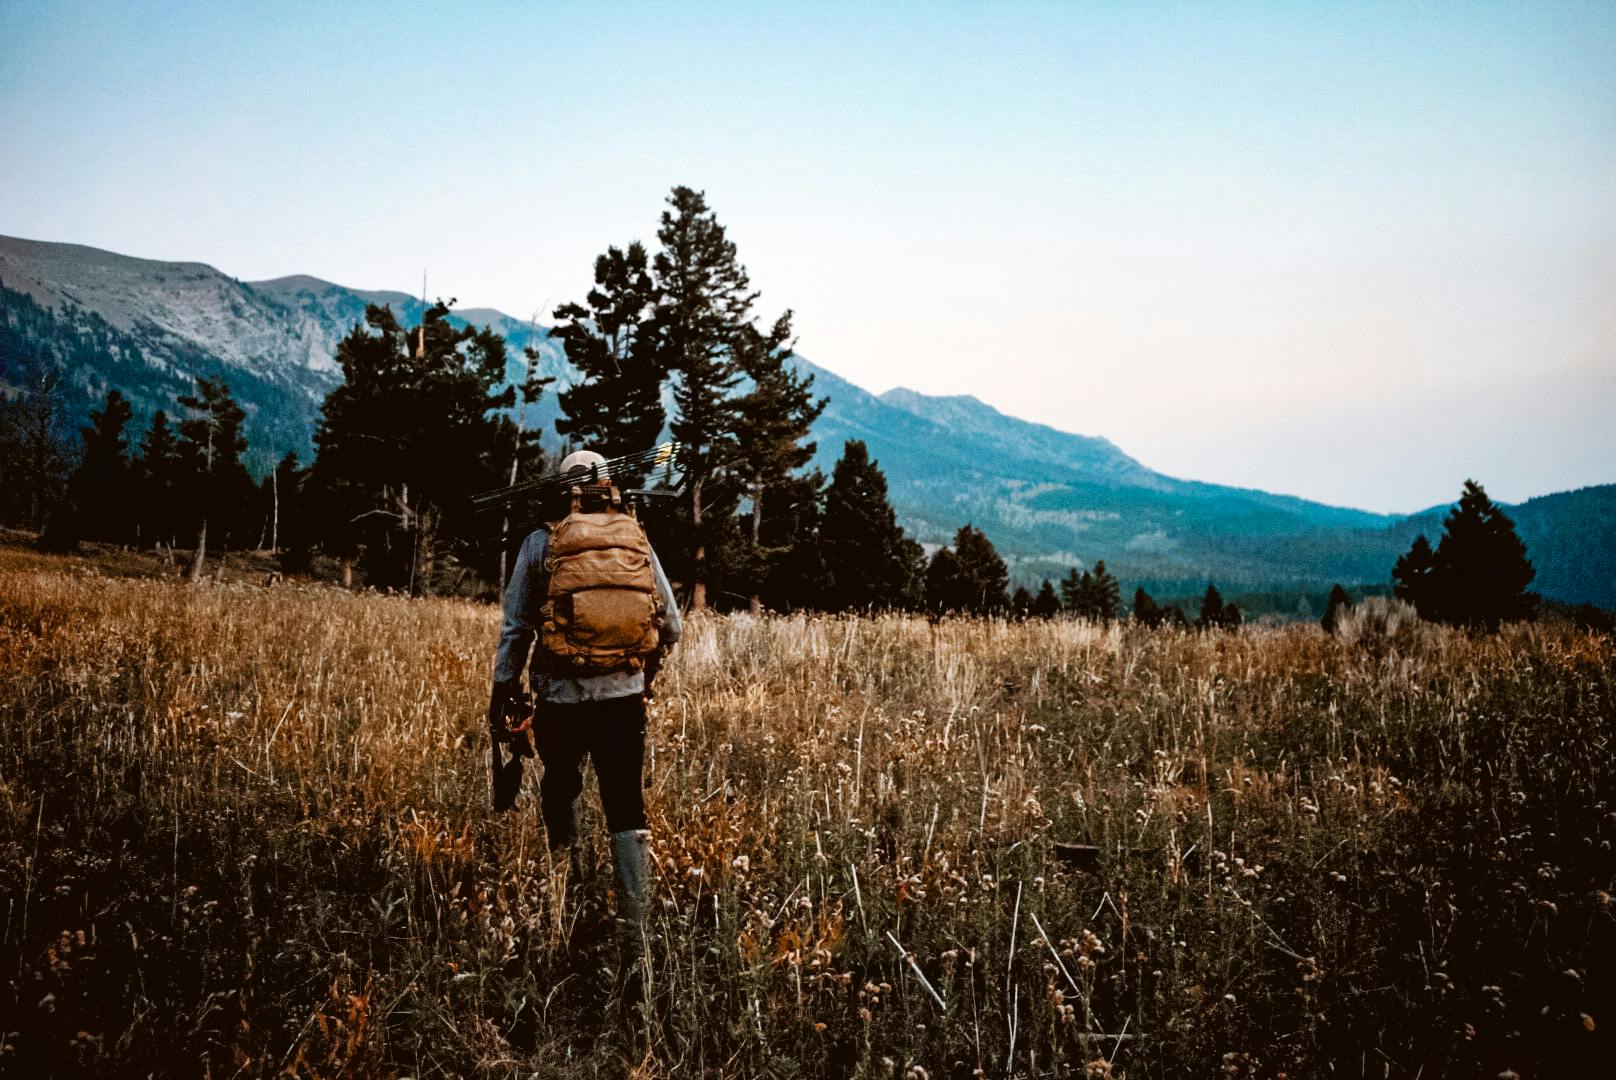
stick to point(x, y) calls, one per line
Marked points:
point(757, 530)
point(201, 553)
point(347, 572)
point(426, 537)
point(275, 512)
point(698, 566)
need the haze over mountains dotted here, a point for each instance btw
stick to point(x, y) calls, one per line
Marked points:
point(1049, 499)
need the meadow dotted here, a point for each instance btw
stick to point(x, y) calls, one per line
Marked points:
point(245, 830)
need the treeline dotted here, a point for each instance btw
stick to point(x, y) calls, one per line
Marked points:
point(669, 341)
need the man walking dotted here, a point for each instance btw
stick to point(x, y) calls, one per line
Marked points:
point(589, 598)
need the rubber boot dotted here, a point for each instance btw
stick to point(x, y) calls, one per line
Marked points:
point(631, 857)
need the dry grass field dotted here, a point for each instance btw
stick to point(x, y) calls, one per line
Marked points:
point(245, 830)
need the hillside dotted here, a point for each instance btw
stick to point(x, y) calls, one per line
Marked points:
point(1048, 498)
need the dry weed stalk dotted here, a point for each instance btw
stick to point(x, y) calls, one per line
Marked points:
point(247, 829)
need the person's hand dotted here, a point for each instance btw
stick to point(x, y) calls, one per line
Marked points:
point(510, 715)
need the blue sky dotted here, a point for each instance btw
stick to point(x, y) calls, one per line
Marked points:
point(1354, 252)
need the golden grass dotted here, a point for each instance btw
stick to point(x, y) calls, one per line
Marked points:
point(246, 830)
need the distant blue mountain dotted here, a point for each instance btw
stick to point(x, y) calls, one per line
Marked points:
point(1049, 499)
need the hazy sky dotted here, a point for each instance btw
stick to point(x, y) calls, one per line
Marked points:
point(1351, 252)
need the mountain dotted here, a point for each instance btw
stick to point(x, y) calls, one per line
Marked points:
point(149, 328)
point(1049, 499)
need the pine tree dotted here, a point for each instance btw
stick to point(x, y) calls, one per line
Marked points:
point(869, 560)
point(33, 453)
point(1145, 609)
point(1085, 607)
point(1339, 603)
point(947, 589)
point(1071, 591)
point(99, 504)
point(1105, 594)
point(985, 579)
point(1481, 573)
point(793, 575)
point(157, 479)
point(616, 406)
point(1046, 605)
point(1021, 602)
point(408, 432)
point(705, 299)
point(1212, 613)
point(1413, 576)
point(773, 420)
point(214, 483)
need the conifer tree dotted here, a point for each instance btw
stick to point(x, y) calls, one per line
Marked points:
point(406, 435)
point(1046, 605)
point(1071, 591)
point(705, 298)
point(869, 560)
point(157, 479)
point(99, 491)
point(1212, 613)
point(946, 587)
point(792, 575)
point(1339, 603)
point(616, 406)
point(1145, 609)
point(1021, 602)
point(984, 577)
point(1413, 574)
point(214, 483)
point(33, 454)
point(1105, 595)
point(1481, 572)
point(773, 420)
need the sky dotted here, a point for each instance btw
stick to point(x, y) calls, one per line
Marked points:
point(1353, 252)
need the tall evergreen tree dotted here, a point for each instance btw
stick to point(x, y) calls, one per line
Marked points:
point(773, 420)
point(869, 560)
point(157, 480)
point(616, 406)
point(793, 573)
point(1105, 595)
point(33, 453)
point(1146, 610)
point(406, 435)
point(99, 493)
point(1071, 591)
point(984, 576)
point(705, 298)
point(214, 484)
point(1046, 605)
point(946, 587)
point(1413, 574)
point(1212, 612)
point(1481, 571)
point(1021, 602)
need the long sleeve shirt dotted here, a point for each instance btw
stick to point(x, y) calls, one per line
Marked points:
point(524, 603)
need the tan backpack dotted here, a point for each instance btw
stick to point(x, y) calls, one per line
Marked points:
point(601, 610)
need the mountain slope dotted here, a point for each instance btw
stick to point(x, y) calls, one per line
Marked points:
point(1049, 499)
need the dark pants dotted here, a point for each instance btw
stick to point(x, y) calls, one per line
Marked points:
point(611, 734)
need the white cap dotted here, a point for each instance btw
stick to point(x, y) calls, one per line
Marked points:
point(587, 464)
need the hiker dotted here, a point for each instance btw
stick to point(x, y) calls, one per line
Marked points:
point(592, 595)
